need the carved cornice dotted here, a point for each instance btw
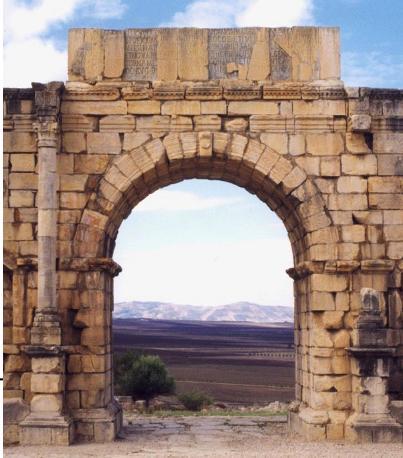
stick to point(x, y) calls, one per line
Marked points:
point(136, 92)
point(169, 91)
point(90, 264)
point(93, 93)
point(209, 90)
point(204, 92)
point(304, 269)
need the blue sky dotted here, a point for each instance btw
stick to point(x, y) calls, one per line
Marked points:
point(201, 242)
point(371, 30)
point(204, 243)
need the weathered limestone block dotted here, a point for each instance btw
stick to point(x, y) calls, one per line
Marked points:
point(339, 383)
point(47, 403)
point(360, 122)
point(328, 282)
point(296, 144)
point(341, 339)
point(277, 142)
point(154, 123)
point(329, 53)
point(252, 108)
point(22, 162)
point(325, 144)
point(219, 108)
point(117, 123)
point(207, 123)
point(23, 181)
point(356, 143)
point(91, 164)
point(330, 319)
point(324, 107)
point(103, 143)
point(348, 202)
point(365, 164)
point(21, 199)
point(391, 164)
point(167, 54)
point(259, 65)
point(93, 57)
point(309, 164)
point(321, 338)
point(72, 200)
point(319, 301)
point(73, 182)
point(93, 363)
point(118, 107)
point(74, 142)
point(182, 107)
point(144, 107)
point(388, 142)
point(114, 53)
point(330, 167)
point(134, 140)
point(385, 185)
point(294, 179)
point(19, 142)
point(47, 383)
point(47, 365)
point(314, 417)
point(193, 54)
point(351, 184)
point(236, 125)
point(385, 201)
point(354, 233)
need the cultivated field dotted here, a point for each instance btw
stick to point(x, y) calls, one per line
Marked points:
point(240, 363)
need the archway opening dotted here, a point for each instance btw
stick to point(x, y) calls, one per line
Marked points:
point(204, 288)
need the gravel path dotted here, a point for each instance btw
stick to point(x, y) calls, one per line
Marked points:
point(215, 437)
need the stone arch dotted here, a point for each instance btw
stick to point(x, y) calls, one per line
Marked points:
point(239, 159)
point(157, 162)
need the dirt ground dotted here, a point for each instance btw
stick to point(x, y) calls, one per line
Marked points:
point(215, 437)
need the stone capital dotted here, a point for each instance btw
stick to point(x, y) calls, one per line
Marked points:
point(47, 133)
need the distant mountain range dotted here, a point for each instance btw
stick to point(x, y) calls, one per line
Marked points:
point(240, 311)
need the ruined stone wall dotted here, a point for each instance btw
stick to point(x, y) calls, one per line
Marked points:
point(327, 159)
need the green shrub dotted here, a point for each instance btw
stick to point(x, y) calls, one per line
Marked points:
point(143, 377)
point(122, 363)
point(195, 400)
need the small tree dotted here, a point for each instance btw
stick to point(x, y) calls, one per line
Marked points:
point(122, 364)
point(144, 377)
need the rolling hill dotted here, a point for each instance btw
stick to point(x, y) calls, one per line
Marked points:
point(239, 311)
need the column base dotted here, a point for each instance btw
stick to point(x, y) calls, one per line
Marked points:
point(373, 428)
point(97, 425)
point(37, 429)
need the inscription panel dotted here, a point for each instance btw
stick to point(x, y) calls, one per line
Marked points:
point(140, 54)
point(229, 46)
point(281, 63)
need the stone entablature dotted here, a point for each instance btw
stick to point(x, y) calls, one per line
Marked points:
point(296, 54)
point(326, 158)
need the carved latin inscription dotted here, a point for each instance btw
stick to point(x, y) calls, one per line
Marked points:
point(141, 54)
point(229, 46)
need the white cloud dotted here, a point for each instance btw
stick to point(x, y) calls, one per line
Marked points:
point(164, 200)
point(245, 13)
point(207, 273)
point(30, 53)
point(372, 69)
